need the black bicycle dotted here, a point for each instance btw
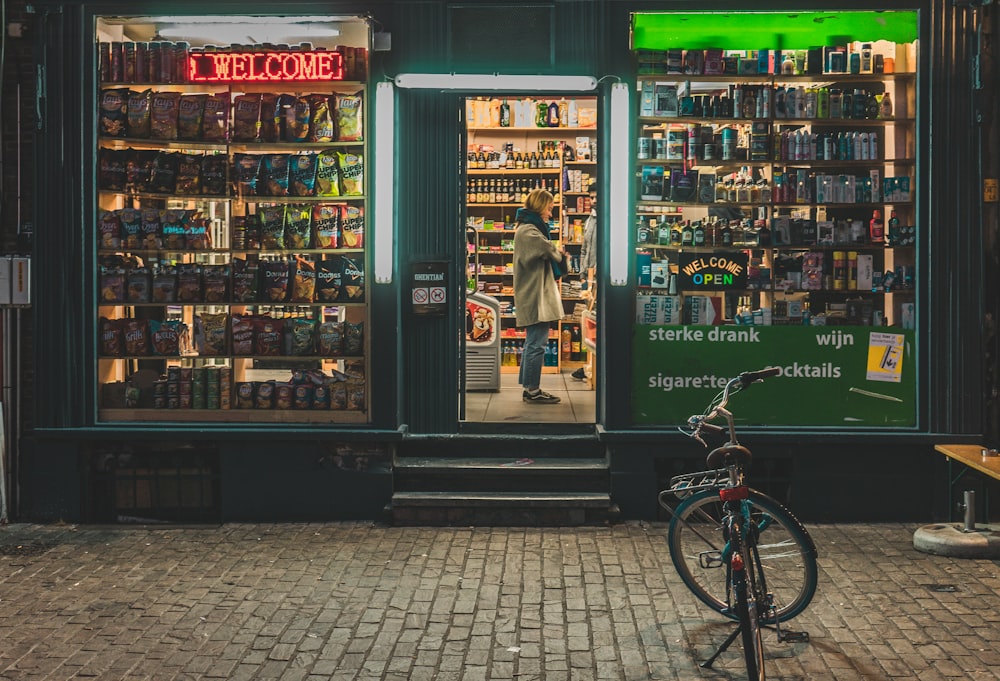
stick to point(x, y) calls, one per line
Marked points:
point(739, 551)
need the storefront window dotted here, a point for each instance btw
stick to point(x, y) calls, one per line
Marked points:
point(775, 215)
point(230, 233)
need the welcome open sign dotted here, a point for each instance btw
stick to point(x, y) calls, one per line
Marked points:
point(712, 271)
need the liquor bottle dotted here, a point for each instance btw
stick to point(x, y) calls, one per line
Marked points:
point(895, 234)
point(505, 114)
point(676, 234)
point(876, 229)
point(726, 234)
point(687, 234)
point(698, 235)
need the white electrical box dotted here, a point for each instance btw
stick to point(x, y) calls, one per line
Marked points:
point(20, 281)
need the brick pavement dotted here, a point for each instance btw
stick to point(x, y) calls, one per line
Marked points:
point(358, 601)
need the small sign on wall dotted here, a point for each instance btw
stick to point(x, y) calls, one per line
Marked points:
point(429, 288)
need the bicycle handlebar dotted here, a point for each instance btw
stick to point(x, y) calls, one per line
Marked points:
point(717, 407)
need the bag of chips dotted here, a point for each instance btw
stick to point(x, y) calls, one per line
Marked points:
point(190, 114)
point(139, 169)
point(298, 226)
point(244, 280)
point(304, 282)
point(210, 333)
point(189, 174)
point(354, 338)
point(321, 128)
point(275, 175)
point(189, 283)
point(268, 336)
point(302, 180)
point(275, 277)
point(136, 334)
point(271, 118)
point(109, 228)
point(326, 225)
point(215, 122)
point(272, 227)
point(139, 113)
point(173, 227)
point(213, 174)
point(165, 284)
point(140, 285)
point(112, 285)
point(215, 280)
point(246, 118)
point(297, 121)
point(114, 112)
point(303, 337)
point(197, 234)
point(329, 274)
point(164, 110)
point(151, 235)
point(352, 280)
point(352, 227)
point(242, 330)
point(111, 164)
point(350, 122)
point(163, 177)
point(330, 339)
point(131, 219)
point(166, 337)
point(112, 339)
point(246, 173)
point(352, 172)
point(327, 174)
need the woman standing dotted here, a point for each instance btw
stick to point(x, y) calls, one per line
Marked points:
point(536, 295)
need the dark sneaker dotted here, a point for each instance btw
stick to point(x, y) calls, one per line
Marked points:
point(579, 374)
point(541, 397)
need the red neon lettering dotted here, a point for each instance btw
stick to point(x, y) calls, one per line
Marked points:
point(268, 66)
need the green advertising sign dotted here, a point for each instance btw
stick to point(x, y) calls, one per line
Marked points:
point(830, 375)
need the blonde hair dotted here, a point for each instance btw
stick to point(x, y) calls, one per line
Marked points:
point(538, 200)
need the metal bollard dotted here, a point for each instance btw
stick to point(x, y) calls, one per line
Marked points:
point(970, 511)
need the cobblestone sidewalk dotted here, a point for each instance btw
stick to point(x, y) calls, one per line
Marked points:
point(358, 601)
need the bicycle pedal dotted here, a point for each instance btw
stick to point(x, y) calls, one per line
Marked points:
point(793, 636)
point(710, 559)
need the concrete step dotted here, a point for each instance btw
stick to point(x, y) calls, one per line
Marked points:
point(538, 509)
point(500, 474)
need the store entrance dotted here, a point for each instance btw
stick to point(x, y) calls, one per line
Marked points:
point(515, 144)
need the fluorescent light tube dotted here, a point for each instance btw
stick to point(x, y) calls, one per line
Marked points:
point(618, 215)
point(495, 81)
point(385, 185)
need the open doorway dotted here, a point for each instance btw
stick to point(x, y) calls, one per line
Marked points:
point(514, 144)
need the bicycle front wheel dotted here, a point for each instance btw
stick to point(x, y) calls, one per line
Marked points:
point(787, 554)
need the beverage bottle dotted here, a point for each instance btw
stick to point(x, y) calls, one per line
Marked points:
point(517, 354)
point(566, 339)
point(563, 108)
point(726, 234)
point(885, 106)
point(895, 235)
point(687, 234)
point(876, 228)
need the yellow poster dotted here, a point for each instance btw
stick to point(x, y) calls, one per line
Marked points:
point(885, 357)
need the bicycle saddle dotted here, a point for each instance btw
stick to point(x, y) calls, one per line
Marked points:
point(720, 456)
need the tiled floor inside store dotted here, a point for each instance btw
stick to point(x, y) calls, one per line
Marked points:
point(506, 406)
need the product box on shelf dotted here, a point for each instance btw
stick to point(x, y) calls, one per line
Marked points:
point(658, 309)
point(703, 310)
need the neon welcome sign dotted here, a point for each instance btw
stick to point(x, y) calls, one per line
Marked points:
point(275, 66)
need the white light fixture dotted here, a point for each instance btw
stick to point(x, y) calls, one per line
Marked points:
point(245, 32)
point(385, 185)
point(618, 215)
point(495, 81)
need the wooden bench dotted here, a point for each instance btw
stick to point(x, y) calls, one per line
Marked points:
point(972, 457)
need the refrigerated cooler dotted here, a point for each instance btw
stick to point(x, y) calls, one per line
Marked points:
point(482, 342)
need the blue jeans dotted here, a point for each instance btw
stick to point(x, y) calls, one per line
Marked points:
point(533, 355)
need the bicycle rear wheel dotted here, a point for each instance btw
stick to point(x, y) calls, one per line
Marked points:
point(787, 554)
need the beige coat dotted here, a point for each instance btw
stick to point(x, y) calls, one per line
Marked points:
point(536, 294)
